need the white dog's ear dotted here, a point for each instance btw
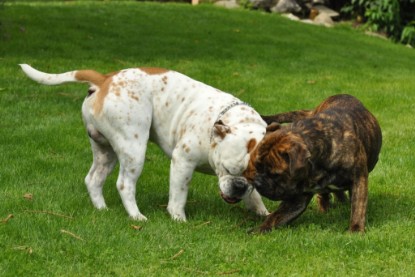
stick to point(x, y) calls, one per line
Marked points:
point(220, 130)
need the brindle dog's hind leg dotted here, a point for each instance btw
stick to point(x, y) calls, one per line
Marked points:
point(323, 199)
point(286, 212)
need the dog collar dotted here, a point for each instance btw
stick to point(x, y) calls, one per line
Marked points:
point(230, 106)
point(225, 110)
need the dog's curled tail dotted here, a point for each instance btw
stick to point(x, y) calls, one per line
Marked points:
point(89, 76)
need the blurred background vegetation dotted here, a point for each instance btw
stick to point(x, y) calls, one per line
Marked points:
point(395, 18)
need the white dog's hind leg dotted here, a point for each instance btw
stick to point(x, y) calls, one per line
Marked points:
point(181, 171)
point(253, 202)
point(104, 160)
point(131, 154)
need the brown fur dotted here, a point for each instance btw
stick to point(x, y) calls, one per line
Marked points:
point(90, 76)
point(153, 70)
point(329, 149)
point(101, 81)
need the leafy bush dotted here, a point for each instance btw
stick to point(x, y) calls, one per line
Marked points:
point(408, 34)
point(395, 18)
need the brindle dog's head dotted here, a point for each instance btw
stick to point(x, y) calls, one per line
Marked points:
point(279, 166)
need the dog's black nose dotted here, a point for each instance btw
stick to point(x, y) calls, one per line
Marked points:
point(239, 187)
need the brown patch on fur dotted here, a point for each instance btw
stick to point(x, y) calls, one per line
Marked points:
point(100, 96)
point(90, 76)
point(134, 97)
point(250, 171)
point(98, 79)
point(153, 70)
point(221, 129)
point(251, 145)
point(164, 79)
point(187, 149)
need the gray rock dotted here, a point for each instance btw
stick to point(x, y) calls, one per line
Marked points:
point(323, 9)
point(286, 6)
point(263, 4)
point(323, 19)
point(291, 16)
point(229, 4)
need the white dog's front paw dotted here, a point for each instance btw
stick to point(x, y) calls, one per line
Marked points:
point(99, 203)
point(262, 212)
point(177, 214)
point(254, 203)
point(138, 217)
point(101, 206)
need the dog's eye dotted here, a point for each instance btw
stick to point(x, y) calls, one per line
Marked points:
point(232, 171)
point(226, 170)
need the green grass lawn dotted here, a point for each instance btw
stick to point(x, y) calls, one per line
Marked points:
point(273, 63)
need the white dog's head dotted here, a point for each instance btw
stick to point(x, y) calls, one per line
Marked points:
point(230, 153)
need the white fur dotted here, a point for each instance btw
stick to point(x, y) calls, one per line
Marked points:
point(177, 113)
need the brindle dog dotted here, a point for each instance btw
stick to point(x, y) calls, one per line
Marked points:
point(329, 149)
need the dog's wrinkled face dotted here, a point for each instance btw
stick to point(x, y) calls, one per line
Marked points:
point(279, 167)
point(230, 156)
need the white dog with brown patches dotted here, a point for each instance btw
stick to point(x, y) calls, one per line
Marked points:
point(197, 126)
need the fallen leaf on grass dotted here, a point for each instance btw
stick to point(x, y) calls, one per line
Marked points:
point(50, 213)
point(136, 227)
point(10, 216)
point(203, 224)
point(194, 271)
point(229, 272)
point(71, 234)
point(27, 249)
point(177, 254)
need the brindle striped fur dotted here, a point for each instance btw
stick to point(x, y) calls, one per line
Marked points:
point(329, 149)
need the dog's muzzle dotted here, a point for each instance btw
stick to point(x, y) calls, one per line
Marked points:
point(237, 188)
point(229, 200)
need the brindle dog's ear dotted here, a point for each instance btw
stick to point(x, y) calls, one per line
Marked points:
point(271, 159)
point(273, 127)
point(298, 156)
point(220, 129)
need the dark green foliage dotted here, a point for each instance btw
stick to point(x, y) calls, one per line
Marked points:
point(393, 17)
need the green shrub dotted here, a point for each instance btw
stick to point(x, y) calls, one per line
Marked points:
point(408, 34)
point(395, 18)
